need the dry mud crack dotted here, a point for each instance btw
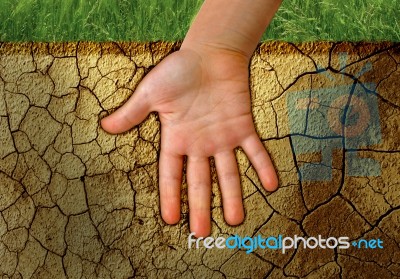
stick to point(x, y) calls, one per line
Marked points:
point(76, 202)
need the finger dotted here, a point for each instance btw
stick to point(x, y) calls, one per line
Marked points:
point(261, 161)
point(132, 113)
point(170, 180)
point(199, 192)
point(229, 182)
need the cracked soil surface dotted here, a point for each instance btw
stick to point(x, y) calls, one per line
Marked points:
point(76, 202)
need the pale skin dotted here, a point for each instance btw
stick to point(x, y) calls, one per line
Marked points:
point(201, 94)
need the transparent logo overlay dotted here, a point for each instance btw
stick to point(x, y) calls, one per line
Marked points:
point(337, 116)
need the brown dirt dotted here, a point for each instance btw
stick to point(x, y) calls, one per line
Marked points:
point(76, 202)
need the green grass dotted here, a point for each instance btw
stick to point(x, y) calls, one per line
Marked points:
point(152, 20)
point(337, 20)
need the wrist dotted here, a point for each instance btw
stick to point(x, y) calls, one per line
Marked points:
point(217, 51)
point(231, 26)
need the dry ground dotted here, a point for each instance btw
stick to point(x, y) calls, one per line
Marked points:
point(79, 203)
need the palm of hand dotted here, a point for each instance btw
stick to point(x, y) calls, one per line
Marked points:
point(202, 112)
point(204, 106)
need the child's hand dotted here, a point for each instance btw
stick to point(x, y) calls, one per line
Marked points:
point(203, 100)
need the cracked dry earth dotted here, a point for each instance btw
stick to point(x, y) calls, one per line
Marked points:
point(76, 202)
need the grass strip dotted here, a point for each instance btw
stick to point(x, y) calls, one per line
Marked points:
point(169, 20)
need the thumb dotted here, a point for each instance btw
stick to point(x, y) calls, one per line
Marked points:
point(132, 113)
